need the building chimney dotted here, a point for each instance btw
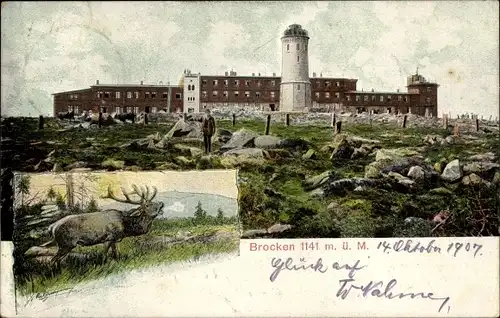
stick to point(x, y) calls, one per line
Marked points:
point(253, 74)
point(314, 74)
point(226, 73)
point(274, 74)
point(141, 82)
point(372, 90)
point(259, 74)
point(97, 82)
point(398, 90)
point(320, 74)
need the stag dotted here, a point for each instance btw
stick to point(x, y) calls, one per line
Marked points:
point(107, 227)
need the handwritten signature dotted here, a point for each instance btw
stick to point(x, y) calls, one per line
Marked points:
point(346, 285)
point(374, 289)
point(44, 296)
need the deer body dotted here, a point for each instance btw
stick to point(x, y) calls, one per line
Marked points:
point(108, 227)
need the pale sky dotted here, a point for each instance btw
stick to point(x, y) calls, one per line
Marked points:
point(49, 47)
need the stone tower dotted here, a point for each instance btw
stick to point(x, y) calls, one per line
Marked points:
point(295, 89)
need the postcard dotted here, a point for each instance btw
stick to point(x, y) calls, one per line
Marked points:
point(263, 159)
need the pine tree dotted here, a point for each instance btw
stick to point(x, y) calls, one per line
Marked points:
point(199, 214)
point(92, 206)
point(220, 216)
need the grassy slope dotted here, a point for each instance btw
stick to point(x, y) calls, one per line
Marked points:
point(133, 254)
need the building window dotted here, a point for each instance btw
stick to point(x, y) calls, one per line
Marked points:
point(298, 46)
point(226, 82)
point(117, 95)
point(358, 98)
point(258, 84)
point(164, 95)
point(373, 98)
point(146, 95)
point(153, 109)
point(327, 95)
point(428, 89)
point(400, 98)
point(99, 94)
point(118, 110)
point(204, 82)
point(327, 83)
point(427, 100)
point(288, 47)
point(215, 82)
point(381, 98)
point(298, 58)
point(337, 84)
point(136, 95)
point(272, 95)
point(348, 97)
point(224, 93)
point(257, 94)
point(298, 87)
point(129, 110)
point(273, 83)
point(107, 94)
point(389, 98)
point(247, 94)
point(236, 83)
point(365, 98)
point(316, 95)
point(337, 95)
point(153, 94)
point(136, 110)
point(129, 94)
point(189, 87)
point(236, 93)
point(406, 99)
point(204, 94)
point(178, 96)
point(215, 93)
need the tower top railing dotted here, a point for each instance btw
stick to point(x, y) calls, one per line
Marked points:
point(295, 30)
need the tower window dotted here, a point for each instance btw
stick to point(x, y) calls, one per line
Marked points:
point(298, 58)
point(298, 46)
point(298, 87)
point(288, 47)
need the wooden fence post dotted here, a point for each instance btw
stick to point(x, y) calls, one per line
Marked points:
point(268, 124)
point(334, 120)
point(445, 121)
point(288, 119)
point(99, 121)
point(234, 119)
point(404, 121)
point(477, 124)
point(40, 122)
point(146, 119)
point(338, 129)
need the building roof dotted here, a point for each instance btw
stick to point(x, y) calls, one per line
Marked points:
point(295, 30)
point(385, 93)
point(72, 91)
point(334, 78)
point(133, 85)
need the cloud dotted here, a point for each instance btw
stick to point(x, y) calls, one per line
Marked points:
point(176, 207)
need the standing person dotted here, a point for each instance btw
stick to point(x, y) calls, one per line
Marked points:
point(208, 126)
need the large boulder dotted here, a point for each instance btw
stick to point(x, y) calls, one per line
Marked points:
point(224, 135)
point(240, 139)
point(452, 172)
point(343, 185)
point(477, 167)
point(394, 154)
point(488, 156)
point(267, 142)
point(189, 129)
point(317, 181)
point(245, 152)
point(343, 149)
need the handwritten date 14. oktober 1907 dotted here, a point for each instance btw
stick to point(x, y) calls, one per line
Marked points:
point(411, 246)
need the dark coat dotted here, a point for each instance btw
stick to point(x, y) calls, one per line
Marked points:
point(208, 126)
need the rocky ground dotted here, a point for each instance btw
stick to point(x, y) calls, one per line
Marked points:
point(303, 180)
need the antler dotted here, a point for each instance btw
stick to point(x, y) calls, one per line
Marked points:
point(127, 199)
